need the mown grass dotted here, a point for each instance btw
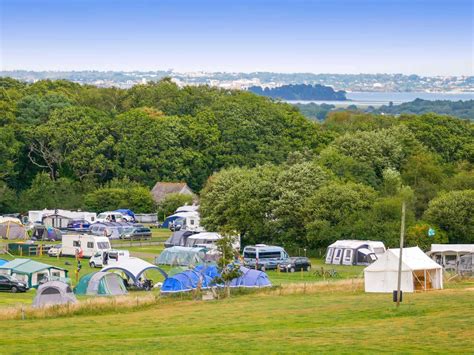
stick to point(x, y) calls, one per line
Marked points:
point(336, 320)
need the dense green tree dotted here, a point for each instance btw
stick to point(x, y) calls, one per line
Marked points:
point(417, 235)
point(9, 152)
point(453, 212)
point(138, 199)
point(8, 199)
point(331, 209)
point(35, 109)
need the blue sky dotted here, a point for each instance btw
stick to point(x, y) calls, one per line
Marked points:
point(323, 36)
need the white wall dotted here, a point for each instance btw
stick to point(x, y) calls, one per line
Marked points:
point(386, 281)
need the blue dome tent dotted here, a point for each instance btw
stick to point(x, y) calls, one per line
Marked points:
point(251, 278)
point(185, 281)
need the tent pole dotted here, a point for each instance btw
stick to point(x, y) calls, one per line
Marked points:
point(402, 232)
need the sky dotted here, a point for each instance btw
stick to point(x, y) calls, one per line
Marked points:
point(428, 37)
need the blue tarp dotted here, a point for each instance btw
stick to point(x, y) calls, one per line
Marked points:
point(169, 220)
point(3, 262)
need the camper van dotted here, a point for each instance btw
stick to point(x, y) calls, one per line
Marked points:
point(85, 245)
point(264, 257)
point(112, 216)
point(107, 257)
point(354, 252)
point(208, 240)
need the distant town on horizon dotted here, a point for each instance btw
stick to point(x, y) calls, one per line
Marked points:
point(382, 82)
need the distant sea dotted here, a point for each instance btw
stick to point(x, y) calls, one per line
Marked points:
point(376, 99)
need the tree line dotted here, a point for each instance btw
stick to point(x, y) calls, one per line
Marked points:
point(262, 168)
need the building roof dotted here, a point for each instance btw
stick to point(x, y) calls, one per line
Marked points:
point(456, 248)
point(161, 189)
point(412, 259)
point(27, 266)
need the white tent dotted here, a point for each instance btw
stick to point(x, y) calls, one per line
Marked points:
point(419, 272)
point(133, 267)
point(449, 255)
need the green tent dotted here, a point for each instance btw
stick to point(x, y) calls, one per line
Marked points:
point(33, 272)
point(101, 283)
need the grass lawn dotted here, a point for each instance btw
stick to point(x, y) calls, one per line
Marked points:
point(338, 321)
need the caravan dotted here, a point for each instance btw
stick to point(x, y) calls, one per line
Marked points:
point(84, 245)
point(208, 240)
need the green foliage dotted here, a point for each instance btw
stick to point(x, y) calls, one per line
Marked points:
point(46, 193)
point(171, 202)
point(8, 199)
point(453, 212)
point(228, 268)
point(138, 199)
point(417, 235)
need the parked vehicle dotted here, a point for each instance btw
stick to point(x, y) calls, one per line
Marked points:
point(297, 263)
point(138, 233)
point(107, 257)
point(9, 283)
point(112, 230)
point(84, 245)
point(55, 250)
point(112, 216)
point(264, 257)
point(78, 225)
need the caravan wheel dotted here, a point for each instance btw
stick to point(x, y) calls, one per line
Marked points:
point(14, 289)
point(92, 265)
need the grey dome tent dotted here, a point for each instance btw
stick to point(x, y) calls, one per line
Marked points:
point(182, 256)
point(178, 238)
point(101, 283)
point(53, 293)
point(251, 278)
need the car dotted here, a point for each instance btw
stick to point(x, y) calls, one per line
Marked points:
point(9, 283)
point(78, 225)
point(55, 250)
point(137, 233)
point(295, 264)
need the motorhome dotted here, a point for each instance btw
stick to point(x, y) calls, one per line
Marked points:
point(107, 257)
point(264, 257)
point(354, 252)
point(208, 240)
point(84, 245)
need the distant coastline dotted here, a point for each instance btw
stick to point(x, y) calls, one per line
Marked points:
point(300, 92)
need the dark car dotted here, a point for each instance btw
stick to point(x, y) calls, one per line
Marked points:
point(78, 225)
point(295, 264)
point(8, 283)
point(137, 233)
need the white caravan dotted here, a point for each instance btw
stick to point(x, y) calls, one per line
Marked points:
point(84, 244)
point(354, 252)
point(37, 216)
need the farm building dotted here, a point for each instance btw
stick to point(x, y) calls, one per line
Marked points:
point(449, 255)
point(10, 229)
point(162, 189)
point(101, 284)
point(419, 272)
point(32, 272)
point(53, 293)
point(354, 252)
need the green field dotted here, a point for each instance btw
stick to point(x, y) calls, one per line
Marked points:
point(338, 321)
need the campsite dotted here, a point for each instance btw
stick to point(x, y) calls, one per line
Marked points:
point(314, 311)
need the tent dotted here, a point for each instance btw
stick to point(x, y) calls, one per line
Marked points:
point(178, 238)
point(101, 283)
point(32, 272)
point(251, 278)
point(449, 255)
point(41, 232)
point(209, 270)
point(354, 252)
point(419, 272)
point(133, 268)
point(466, 265)
point(12, 230)
point(53, 293)
point(185, 281)
point(182, 256)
